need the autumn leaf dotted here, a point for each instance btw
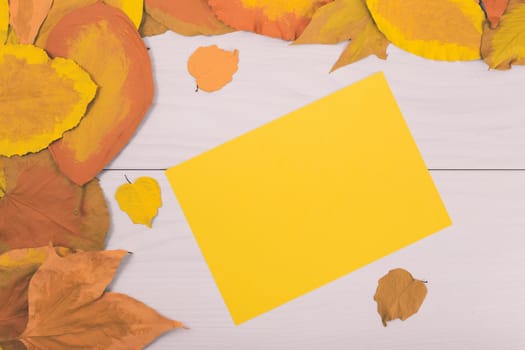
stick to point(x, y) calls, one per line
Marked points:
point(58, 10)
point(213, 67)
point(132, 8)
point(399, 295)
point(58, 90)
point(151, 27)
point(186, 17)
point(448, 30)
point(505, 45)
point(68, 308)
point(140, 200)
point(41, 205)
point(274, 18)
point(26, 17)
point(4, 20)
point(16, 269)
point(121, 67)
point(346, 20)
point(494, 10)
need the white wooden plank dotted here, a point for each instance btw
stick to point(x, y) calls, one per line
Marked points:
point(475, 271)
point(461, 114)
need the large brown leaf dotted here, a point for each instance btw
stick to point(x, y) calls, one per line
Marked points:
point(40, 205)
point(102, 40)
point(68, 308)
point(16, 269)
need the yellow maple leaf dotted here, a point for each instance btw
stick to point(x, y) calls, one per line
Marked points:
point(45, 98)
point(346, 20)
point(140, 200)
point(505, 45)
point(448, 30)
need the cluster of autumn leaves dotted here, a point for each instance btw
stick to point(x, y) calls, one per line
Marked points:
point(76, 83)
point(450, 30)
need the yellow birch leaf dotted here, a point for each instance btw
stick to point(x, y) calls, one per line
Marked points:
point(140, 200)
point(505, 45)
point(151, 27)
point(447, 30)
point(346, 20)
point(132, 8)
point(399, 295)
point(42, 98)
point(4, 20)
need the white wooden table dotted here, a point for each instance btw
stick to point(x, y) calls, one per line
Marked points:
point(469, 124)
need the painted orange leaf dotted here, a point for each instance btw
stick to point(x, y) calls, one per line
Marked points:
point(399, 295)
point(213, 67)
point(59, 91)
point(69, 308)
point(505, 45)
point(186, 17)
point(494, 9)
point(41, 205)
point(151, 27)
point(448, 30)
point(59, 9)
point(26, 17)
point(121, 67)
point(16, 269)
point(346, 20)
point(275, 18)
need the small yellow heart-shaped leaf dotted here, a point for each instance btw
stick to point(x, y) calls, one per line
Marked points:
point(140, 200)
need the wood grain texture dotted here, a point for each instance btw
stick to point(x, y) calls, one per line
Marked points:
point(461, 115)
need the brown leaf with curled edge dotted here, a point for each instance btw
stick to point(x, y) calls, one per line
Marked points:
point(69, 308)
point(150, 26)
point(399, 295)
point(41, 205)
point(185, 17)
point(346, 20)
point(16, 269)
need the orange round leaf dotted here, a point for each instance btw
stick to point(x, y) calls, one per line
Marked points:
point(106, 43)
point(213, 67)
point(275, 18)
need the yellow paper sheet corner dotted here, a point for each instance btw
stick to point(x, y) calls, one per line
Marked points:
point(308, 198)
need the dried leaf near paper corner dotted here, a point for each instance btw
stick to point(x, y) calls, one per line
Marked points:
point(59, 91)
point(399, 295)
point(186, 17)
point(39, 205)
point(274, 18)
point(346, 20)
point(505, 46)
point(121, 67)
point(448, 30)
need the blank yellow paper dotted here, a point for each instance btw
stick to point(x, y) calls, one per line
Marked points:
point(308, 198)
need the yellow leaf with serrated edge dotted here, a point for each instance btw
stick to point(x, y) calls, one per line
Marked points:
point(346, 20)
point(505, 45)
point(132, 8)
point(140, 200)
point(447, 30)
point(4, 20)
point(46, 98)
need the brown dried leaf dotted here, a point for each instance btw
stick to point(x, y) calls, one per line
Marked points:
point(399, 295)
point(69, 309)
point(41, 205)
